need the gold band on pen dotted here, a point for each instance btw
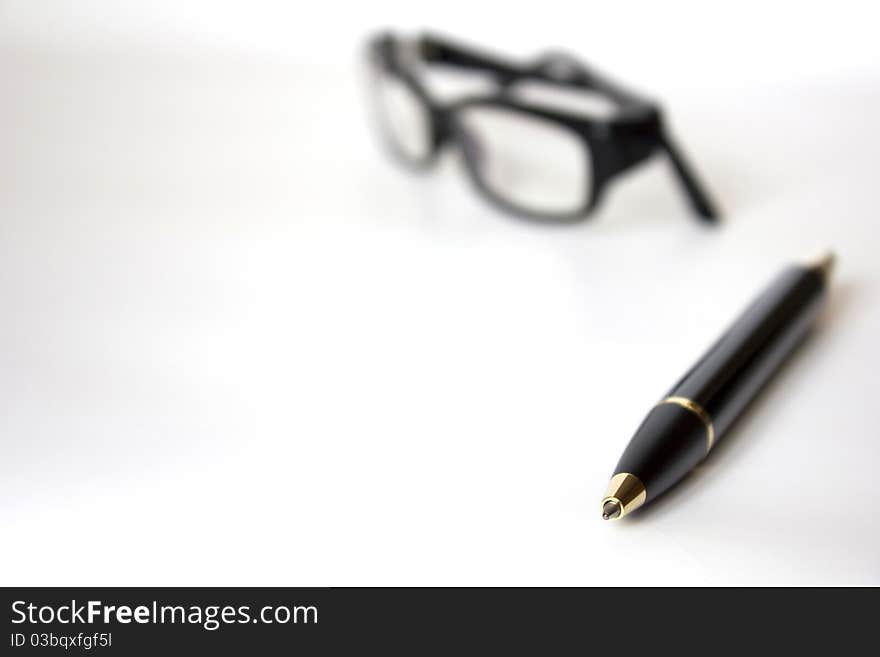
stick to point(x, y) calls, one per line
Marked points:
point(700, 412)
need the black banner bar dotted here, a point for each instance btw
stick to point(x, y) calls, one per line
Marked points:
point(151, 621)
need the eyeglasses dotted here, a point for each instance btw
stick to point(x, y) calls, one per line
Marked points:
point(525, 156)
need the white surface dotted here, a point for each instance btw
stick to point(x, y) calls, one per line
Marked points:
point(240, 347)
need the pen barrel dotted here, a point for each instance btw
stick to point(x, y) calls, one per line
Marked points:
point(699, 409)
point(741, 361)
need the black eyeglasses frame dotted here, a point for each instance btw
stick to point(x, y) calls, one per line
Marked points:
point(612, 145)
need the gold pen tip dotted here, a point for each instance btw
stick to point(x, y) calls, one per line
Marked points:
point(823, 262)
point(625, 494)
point(610, 510)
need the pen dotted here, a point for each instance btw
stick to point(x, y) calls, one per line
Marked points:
point(684, 426)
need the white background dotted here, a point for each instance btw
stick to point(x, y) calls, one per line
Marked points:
point(239, 346)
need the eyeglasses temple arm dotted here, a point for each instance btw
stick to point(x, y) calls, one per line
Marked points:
point(695, 191)
point(557, 68)
point(442, 51)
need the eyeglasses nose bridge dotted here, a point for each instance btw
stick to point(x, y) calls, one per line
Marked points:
point(450, 130)
point(442, 126)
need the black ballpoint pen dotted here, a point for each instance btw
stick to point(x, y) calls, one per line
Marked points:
point(682, 428)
